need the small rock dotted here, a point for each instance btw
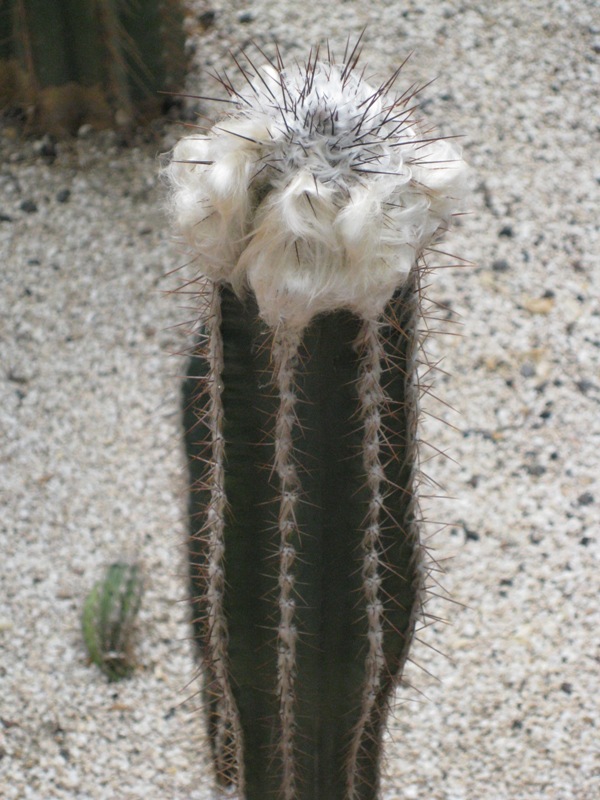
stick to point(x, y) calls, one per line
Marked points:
point(527, 370)
point(585, 541)
point(539, 305)
point(28, 206)
point(500, 265)
point(245, 17)
point(535, 469)
point(207, 18)
point(5, 218)
point(567, 688)
point(585, 386)
point(585, 499)
point(506, 231)
point(85, 131)
point(63, 195)
point(123, 118)
point(46, 148)
point(18, 375)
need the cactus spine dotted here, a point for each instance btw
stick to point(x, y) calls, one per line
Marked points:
point(309, 208)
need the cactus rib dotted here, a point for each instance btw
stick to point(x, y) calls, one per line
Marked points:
point(285, 351)
point(371, 395)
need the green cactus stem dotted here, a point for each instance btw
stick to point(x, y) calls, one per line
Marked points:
point(108, 619)
point(103, 62)
point(307, 582)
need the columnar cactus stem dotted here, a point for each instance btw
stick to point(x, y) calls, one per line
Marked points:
point(309, 209)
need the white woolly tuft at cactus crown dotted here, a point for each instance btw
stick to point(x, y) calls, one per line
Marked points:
point(319, 192)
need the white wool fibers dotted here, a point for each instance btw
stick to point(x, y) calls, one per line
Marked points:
point(319, 192)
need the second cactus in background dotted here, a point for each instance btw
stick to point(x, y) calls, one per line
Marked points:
point(69, 62)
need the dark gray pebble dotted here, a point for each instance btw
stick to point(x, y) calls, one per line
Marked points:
point(585, 499)
point(500, 265)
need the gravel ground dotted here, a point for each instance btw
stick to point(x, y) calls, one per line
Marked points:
point(503, 700)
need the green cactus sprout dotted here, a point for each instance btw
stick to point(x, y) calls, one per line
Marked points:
point(108, 619)
point(69, 62)
point(310, 209)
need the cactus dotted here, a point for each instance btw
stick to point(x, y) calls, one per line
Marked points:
point(108, 619)
point(69, 62)
point(309, 209)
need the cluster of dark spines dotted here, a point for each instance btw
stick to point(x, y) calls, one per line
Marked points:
point(358, 147)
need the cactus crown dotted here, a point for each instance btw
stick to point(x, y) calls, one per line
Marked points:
point(319, 192)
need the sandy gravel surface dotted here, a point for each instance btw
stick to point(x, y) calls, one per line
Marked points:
point(90, 451)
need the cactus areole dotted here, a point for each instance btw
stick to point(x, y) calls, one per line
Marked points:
point(309, 209)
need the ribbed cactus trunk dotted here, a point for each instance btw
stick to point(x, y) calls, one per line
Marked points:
point(306, 573)
point(68, 62)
